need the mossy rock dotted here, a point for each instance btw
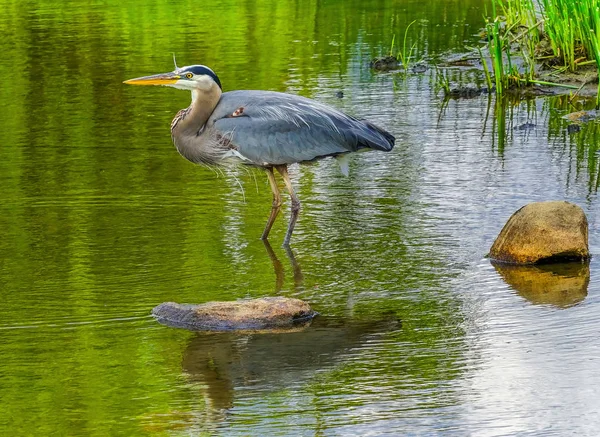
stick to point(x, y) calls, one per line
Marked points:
point(267, 313)
point(540, 232)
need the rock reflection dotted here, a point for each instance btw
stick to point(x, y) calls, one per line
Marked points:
point(561, 285)
point(223, 363)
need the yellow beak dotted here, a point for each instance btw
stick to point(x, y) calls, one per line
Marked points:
point(156, 79)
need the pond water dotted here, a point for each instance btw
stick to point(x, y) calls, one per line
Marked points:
point(419, 334)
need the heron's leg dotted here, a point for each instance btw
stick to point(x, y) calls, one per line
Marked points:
point(282, 169)
point(276, 203)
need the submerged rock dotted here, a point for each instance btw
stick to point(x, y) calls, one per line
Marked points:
point(460, 63)
point(384, 64)
point(419, 68)
point(581, 117)
point(554, 231)
point(464, 92)
point(526, 126)
point(267, 313)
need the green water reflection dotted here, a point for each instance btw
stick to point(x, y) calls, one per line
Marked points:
point(102, 220)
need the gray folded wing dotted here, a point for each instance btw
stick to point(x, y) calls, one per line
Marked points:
point(269, 128)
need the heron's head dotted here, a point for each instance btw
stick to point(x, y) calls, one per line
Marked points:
point(192, 78)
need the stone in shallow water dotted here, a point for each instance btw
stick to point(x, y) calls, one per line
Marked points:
point(554, 231)
point(267, 313)
point(385, 63)
point(582, 116)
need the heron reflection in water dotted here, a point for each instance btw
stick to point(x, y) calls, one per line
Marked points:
point(265, 129)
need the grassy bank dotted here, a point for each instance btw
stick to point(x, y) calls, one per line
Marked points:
point(532, 41)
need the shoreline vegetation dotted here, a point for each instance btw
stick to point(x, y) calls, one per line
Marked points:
point(552, 43)
point(529, 47)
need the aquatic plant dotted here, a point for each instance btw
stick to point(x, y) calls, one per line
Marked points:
point(518, 12)
point(442, 82)
point(486, 70)
point(404, 55)
point(495, 46)
point(570, 29)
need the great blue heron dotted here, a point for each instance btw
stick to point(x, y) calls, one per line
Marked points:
point(264, 129)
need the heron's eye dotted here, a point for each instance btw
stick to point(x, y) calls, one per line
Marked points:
point(189, 75)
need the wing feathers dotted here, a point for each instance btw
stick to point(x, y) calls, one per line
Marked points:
point(278, 128)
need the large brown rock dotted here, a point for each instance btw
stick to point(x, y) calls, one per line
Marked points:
point(543, 232)
point(266, 313)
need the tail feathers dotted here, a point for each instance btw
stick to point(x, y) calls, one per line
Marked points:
point(386, 139)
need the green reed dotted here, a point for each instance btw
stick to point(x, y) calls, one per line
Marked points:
point(573, 28)
point(405, 55)
point(570, 27)
point(442, 81)
point(495, 46)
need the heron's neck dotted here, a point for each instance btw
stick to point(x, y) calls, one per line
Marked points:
point(198, 113)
